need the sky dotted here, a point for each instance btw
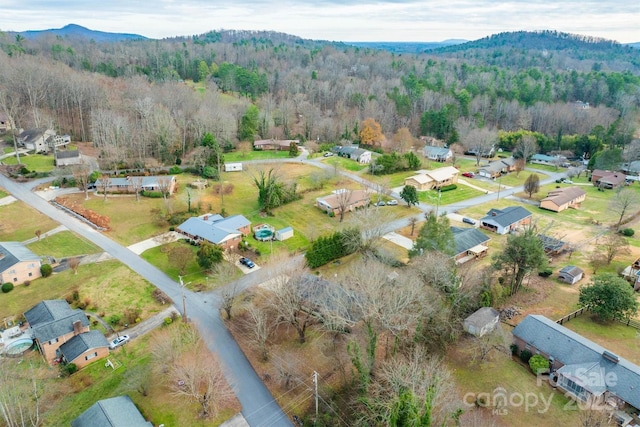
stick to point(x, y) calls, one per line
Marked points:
point(334, 20)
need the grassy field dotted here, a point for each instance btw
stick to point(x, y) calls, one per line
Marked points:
point(3, 193)
point(346, 164)
point(108, 288)
point(34, 162)
point(463, 192)
point(159, 256)
point(134, 365)
point(512, 180)
point(19, 222)
point(243, 156)
point(63, 244)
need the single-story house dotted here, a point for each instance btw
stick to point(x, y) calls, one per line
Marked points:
point(471, 243)
point(84, 348)
point(68, 158)
point(570, 274)
point(17, 263)
point(631, 168)
point(233, 167)
point(563, 198)
point(53, 323)
point(226, 232)
point(42, 140)
point(275, 144)
point(332, 202)
point(607, 179)
point(543, 159)
point(580, 367)
point(353, 152)
point(434, 179)
point(284, 233)
point(503, 221)
point(497, 168)
point(552, 246)
point(439, 154)
point(482, 321)
point(144, 183)
point(632, 274)
point(119, 411)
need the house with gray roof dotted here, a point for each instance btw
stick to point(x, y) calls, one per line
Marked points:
point(67, 158)
point(216, 229)
point(353, 152)
point(131, 184)
point(507, 220)
point(84, 349)
point(570, 274)
point(471, 243)
point(52, 323)
point(543, 159)
point(582, 368)
point(17, 263)
point(482, 321)
point(42, 140)
point(438, 154)
point(119, 411)
point(497, 168)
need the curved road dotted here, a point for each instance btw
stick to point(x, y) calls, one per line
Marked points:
point(258, 406)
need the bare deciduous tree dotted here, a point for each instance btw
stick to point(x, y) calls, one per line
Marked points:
point(164, 186)
point(480, 142)
point(74, 263)
point(413, 221)
point(343, 199)
point(495, 340)
point(136, 186)
point(258, 324)
point(526, 147)
point(38, 233)
point(81, 173)
point(105, 183)
point(612, 246)
point(625, 201)
point(179, 257)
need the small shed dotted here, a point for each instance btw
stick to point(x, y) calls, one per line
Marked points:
point(233, 167)
point(482, 322)
point(284, 234)
point(570, 274)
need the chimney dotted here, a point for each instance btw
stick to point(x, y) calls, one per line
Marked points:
point(77, 328)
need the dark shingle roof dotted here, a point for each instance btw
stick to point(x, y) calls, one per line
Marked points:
point(482, 317)
point(12, 253)
point(551, 243)
point(118, 411)
point(507, 216)
point(81, 343)
point(53, 318)
point(67, 154)
point(570, 348)
point(571, 270)
point(467, 238)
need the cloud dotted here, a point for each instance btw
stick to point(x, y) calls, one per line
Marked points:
point(349, 20)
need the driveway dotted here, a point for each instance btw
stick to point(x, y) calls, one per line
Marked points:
point(399, 240)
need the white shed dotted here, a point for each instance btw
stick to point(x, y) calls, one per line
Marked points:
point(284, 234)
point(482, 321)
point(233, 167)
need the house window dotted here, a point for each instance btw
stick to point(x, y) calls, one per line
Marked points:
point(15, 279)
point(527, 347)
point(91, 356)
point(30, 274)
point(574, 388)
point(32, 265)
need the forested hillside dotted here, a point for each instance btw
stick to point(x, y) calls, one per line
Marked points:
point(154, 99)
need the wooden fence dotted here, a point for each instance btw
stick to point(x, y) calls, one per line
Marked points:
point(630, 322)
point(570, 316)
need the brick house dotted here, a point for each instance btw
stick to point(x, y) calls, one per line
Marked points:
point(17, 263)
point(216, 229)
point(563, 198)
point(333, 202)
point(503, 221)
point(434, 179)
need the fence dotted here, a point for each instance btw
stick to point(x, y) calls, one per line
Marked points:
point(570, 316)
point(630, 322)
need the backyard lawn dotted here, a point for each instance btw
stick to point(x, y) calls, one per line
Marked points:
point(33, 162)
point(3, 193)
point(63, 244)
point(461, 193)
point(244, 156)
point(19, 222)
point(107, 288)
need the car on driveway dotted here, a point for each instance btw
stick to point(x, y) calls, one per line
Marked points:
point(469, 221)
point(567, 181)
point(381, 203)
point(328, 154)
point(121, 340)
point(247, 262)
point(468, 174)
point(392, 202)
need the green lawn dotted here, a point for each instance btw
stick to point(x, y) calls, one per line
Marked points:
point(512, 180)
point(34, 162)
point(547, 168)
point(19, 222)
point(108, 288)
point(63, 244)
point(243, 156)
point(346, 164)
point(463, 192)
point(3, 193)
point(159, 256)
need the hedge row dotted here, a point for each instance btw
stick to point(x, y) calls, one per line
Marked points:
point(327, 249)
point(448, 187)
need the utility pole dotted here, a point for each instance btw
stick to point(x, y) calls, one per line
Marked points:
point(315, 384)
point(184, 304)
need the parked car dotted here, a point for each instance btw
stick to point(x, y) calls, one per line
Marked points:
point(567, 181)
point(247, 262)
point(468, 174)
point(469, 221)
point(121, 340)
point(328, 154)
point(392, 202)
point(380, 203)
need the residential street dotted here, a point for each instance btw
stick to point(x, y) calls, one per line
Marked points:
point(258, 406)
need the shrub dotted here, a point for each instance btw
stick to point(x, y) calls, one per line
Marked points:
point(27, 282)
point(114, 319)
point(539, 364)
point(152, 194)
point(168, 321)
point(69, 369)
point(525, 355)
point(7, 287)
point(545, 273)
point(448, 187)
point(175, 170)
point(46, 270)
point(514, 349)
point(628, 232)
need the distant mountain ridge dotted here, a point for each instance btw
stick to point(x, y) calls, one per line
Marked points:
point(407, 47)
point(78, 31)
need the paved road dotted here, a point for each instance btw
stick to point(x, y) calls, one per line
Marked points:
point(258, 406)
